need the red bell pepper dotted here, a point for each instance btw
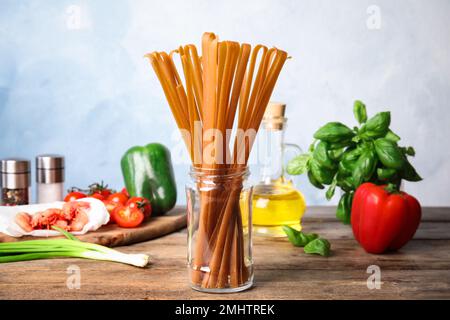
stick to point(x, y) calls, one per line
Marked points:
point(383, 220)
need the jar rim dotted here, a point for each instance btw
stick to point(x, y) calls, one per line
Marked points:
point(224, 172)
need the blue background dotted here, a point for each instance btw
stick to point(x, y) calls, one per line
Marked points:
point(73, 79)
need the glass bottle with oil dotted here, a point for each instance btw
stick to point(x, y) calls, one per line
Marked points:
point(276, 201)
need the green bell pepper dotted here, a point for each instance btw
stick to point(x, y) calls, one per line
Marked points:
point(148, 173)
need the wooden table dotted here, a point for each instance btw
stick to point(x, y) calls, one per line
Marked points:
point(421, 270)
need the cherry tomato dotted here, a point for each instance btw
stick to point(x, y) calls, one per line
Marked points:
point(103, 193)
point(141, 204)
point(125, 192)
point(100, 188)
point(74, 195)
point(97, 196)
point(127, 217)
point(111, 206)
point(106, 193)
point(118, 197)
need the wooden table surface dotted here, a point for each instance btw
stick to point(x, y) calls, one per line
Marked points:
point(421, 270)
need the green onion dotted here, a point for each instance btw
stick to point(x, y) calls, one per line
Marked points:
point(70, 247)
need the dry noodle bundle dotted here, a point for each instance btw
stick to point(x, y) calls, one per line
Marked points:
point(228, 79)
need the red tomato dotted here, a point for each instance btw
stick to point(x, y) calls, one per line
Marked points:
point(103, 193)
point(106, 193)
point(97, 196)
point(111, 206)
point(74, 195)
point(141, 204)
point(118, 197)
point(125, 192)
point(101, 189)
point(127, 217)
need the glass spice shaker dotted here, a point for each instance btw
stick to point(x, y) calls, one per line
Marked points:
point(50, 178)
point(15, 181)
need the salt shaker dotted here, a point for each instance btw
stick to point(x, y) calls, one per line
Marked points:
point(50, 178)
point(15, 181)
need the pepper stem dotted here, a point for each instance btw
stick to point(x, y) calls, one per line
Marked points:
point(392, 188)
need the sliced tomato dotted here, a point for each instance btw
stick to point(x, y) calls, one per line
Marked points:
point(127, 217)
point(74, 195)
point(141, 204)
point(118, 197)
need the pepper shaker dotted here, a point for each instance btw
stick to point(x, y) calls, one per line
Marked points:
point(15, 181)
point(49, 178)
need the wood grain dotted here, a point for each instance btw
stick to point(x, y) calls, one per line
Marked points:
point(113, 236)
point(420, 270)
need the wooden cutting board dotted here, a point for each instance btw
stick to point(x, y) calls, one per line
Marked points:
point(114, 236)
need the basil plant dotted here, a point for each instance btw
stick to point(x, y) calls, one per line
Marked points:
point(346, 158)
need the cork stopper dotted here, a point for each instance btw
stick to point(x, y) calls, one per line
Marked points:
point(274, 116)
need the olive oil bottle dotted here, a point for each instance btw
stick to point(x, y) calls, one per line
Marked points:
point(276, 202)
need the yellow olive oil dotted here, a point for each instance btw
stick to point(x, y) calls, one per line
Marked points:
point(275, 205)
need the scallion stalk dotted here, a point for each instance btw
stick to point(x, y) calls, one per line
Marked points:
point(70, 247)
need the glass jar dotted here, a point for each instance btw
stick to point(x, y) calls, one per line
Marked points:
point(16, 182)
point(50, 178)
point(219, 230)
point(276, 200)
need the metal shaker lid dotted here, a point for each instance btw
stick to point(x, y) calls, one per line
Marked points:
point(49, 168)
point(15, 165)
point(50, 161)
point(15, 173)
point(274, 115)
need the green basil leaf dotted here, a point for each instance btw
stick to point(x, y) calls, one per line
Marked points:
point(322, 175)
point(392, 136)
point(336, 154)
point(321, 156)
point(318, 246)
point(366, 146)
point(346, 168)
point(352, 155)
point(364, 168)
point(389, 153)
point(377, 126)
point(379, 122)
point(359, 110)
point(349, 201)
point(330, 192)
point(409, 173)
point(298, 238)
point(298, 165)
point(408, 151)
point(314, 181)
point(348, 181)
point(340, 144)
point(334, 132)
point(385, 173)
point(343, 212)
point(348, 161)
point(356, 139)
point(345, 182)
